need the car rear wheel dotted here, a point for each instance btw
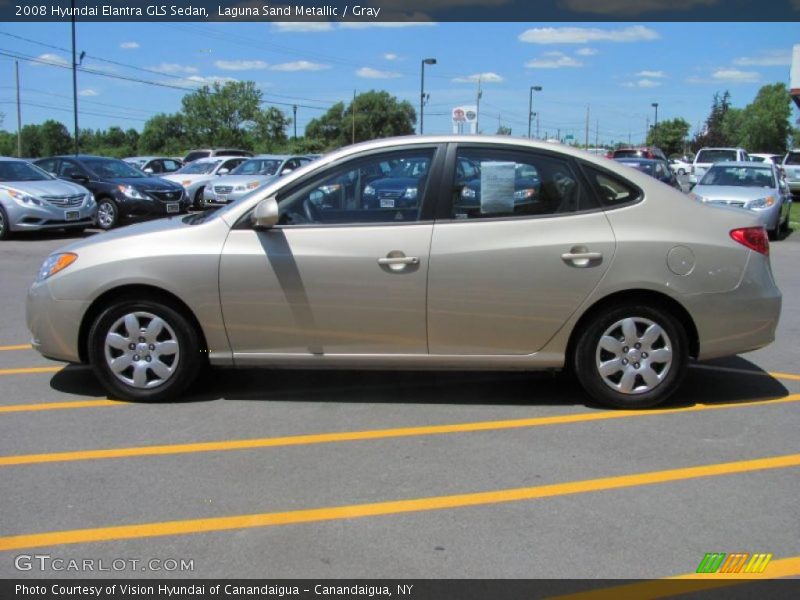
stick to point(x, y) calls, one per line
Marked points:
point(198, 202)
point(4, 225)
point(107, 214)
point(144, 350)
point(634, 356)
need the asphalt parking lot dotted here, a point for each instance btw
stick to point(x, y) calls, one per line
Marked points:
point(286, 474)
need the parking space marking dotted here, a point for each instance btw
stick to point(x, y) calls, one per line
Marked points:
point(373, 434)
point(391, 507)
point(14, 408)
point(670, 587)
point(28, 370)
point(17, 347)
point(773, 374)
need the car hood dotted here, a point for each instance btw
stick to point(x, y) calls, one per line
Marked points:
point(395, 183)
point(732, 192)
point(178, 177)
point(115, 236)
point(244, 179)
point(50, 187)
point(146, 183)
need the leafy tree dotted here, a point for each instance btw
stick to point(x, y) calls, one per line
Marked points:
point(764, 124)
point(377, 115)
point(712, 134)
point(503, 130)
point(31, 141)
point(163, 134)
point(669, 135)
point(269, 130)
point(8, 144)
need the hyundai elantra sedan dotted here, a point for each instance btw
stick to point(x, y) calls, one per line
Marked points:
point(610, 274)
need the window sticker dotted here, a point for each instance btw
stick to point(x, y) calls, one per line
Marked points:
point(497, 187)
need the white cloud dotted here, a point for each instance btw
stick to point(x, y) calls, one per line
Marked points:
point(172, 68)
point(53, 59)
point(768, 58)
point(587, 52)
point(240, 65)
point(390, 56)
point(129, 45)
point(210, 80)
point(88, 92)
point(303, 27)
point(626, 7)
point(642, 83)
point(488, 77)
point(553, 60)
point(299, 65)
point(652, 74)
point(369, 73)
point(585, 35)
point(735, 76)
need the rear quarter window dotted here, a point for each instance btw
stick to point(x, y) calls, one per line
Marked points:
point(613, 191)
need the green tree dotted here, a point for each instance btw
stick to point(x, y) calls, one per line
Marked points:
point(269, 130)
point(377, 115)
point(670, 135)
point(31, 141)
point(8, 143)
point(164, 134)
point(765, 124)
point(503, 130)
point(712, 134)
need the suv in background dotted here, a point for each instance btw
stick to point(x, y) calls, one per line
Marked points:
point(641, 152)
point(206, 152)
point(706, 157)
point(791, 170)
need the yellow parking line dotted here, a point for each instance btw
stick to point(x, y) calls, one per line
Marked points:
point(686, 584)
point(352, 436)
point(13, 408)
point(27, 370)
point(393, 507)
point(17, 347)
point(774, 374)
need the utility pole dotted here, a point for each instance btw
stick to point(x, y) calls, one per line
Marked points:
point(354, 116)
point(294, 120)
point(478, 107)
point(74, 80)
point(586, 139)
point(597, 134)
point(19, 114)
point(537, 126)
point(534, 88)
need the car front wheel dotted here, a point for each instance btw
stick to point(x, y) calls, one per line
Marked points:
point(144, 350)
point(632, 357)
point(107, 214)
point(4, 226)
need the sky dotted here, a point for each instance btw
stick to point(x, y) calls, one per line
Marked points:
point(618, 70)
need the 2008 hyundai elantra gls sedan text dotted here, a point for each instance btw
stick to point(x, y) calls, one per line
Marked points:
point(603, 270)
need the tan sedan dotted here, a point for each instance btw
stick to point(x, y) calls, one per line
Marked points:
point(494, 254)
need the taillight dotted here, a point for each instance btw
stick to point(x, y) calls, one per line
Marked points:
point(754, 238)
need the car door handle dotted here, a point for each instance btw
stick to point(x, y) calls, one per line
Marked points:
point(582, 256)
point(399, 260)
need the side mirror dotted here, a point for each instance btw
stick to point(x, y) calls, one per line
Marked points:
point(223, 171)
point(80, 178)
point(148, 170)
point(265, 215)
point(286, 171)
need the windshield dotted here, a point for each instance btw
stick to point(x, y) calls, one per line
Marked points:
point(18, 170)
point(793, 158)
point(715, 156)
point(258, 166)
point(648, 168)
point(199, 168)
point(739, 177)
point(195, 155)
point(136, 162)
point(112, 168)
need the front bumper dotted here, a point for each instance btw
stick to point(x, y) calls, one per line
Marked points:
point(132, 208)
point(37, 218)
point(54, 324)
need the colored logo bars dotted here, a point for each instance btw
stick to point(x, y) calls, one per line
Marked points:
point(742, 562)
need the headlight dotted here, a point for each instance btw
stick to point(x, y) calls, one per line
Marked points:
point(89, 199)
point(524, 194)
point(762, 203)
point(468, 192)
point(186, 183)
point(55, 263)
point(23, 198)
point(131, 192)
point(244, 187)
point(410, 194)
point(369, 191)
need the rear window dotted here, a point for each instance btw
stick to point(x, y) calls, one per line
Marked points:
point(793, 158)
point(715, 156)
point(628, 153)
point(231, 153)
point(195, 155)
point(613, 191)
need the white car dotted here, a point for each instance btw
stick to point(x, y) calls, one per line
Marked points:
point(791, 170)
point(679, 166)
point(772, 159)
point(706, 157)
point(196, 175)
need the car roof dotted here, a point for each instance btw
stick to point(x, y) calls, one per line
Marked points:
point(633, 159)
point(270, 156)
point(743, 164)
point(12, 159)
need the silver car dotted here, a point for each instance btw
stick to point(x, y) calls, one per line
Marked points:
point(32, 200)
point(757, 187)
point(791, 168)
point(251, 175)
point(196, 175)
point(605, 271)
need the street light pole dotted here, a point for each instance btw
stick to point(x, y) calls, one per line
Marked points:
point(425, 61)
point(655, 123)
point(74, 81)
point(534, 88)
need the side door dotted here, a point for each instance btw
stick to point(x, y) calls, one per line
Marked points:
point(73, 171)
point(515, 251)
point(334, 277)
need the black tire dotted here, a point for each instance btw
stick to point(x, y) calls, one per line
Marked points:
point(5, 227)
point(185, 365)
point(198, 203)
point(588, 354)
point(107, 206)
